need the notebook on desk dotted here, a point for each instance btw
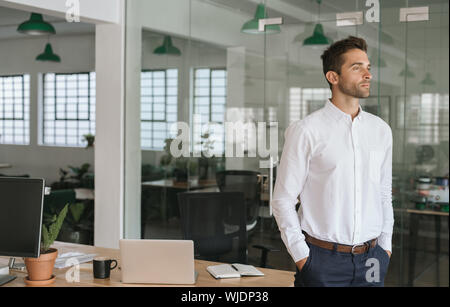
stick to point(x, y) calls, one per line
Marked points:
point(234, 270)
point(157, 261)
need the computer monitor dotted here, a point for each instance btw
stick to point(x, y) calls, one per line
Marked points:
point(21, 205)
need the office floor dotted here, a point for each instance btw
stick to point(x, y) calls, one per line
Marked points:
point(267, 233)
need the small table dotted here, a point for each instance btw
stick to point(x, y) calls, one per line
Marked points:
point(415, 216)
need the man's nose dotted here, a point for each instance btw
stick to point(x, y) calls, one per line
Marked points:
point(367, 75)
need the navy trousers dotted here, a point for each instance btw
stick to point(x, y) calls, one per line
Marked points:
point(329, 268)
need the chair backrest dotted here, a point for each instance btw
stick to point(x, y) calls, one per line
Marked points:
point(247, 183)
point(57, 199)
point(215, 221)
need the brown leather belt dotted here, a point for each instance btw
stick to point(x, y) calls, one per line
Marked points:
point(355, 249)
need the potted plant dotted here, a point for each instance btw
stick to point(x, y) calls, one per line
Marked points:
point(90, 139)
point(41, 269)
point(181, 169)
point(207, 145)
point(166, 159)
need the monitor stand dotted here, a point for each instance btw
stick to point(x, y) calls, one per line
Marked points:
point(16, 266)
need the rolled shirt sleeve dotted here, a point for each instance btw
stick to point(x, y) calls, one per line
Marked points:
point(385, 239)
point(291, 176)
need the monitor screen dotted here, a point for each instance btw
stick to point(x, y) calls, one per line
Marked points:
point(21, 204)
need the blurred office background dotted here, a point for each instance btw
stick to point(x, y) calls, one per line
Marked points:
point(125, 75)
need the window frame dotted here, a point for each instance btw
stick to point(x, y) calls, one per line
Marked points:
point(25, 104)
point(91, 103)
point(210, 104)
point(166, 98)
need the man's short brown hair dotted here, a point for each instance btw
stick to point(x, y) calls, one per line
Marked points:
point(332, 57)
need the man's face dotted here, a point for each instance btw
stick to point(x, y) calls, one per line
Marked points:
point(354, 79)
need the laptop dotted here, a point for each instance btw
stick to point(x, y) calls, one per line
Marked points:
point(157, 261)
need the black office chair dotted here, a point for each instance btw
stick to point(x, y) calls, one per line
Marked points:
point(247, 183)
point(215, 221)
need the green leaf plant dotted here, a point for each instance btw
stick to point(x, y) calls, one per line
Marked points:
point(50, 232)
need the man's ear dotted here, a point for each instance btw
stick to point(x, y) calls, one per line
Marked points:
point(332, 77)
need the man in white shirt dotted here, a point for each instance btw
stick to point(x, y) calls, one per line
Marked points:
point(338, 162)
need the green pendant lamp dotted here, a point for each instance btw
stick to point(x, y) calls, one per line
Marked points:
point(36, 26)
point(428, 80)
point(407, 73)
point(318, 37)
point(251, 27)
point(167, 48)
point(48, 55)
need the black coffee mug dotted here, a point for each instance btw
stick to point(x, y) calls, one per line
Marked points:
point(102, 267)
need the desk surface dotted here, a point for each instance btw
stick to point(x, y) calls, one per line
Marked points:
point(421, 212)
point(272, 278)
point(169, 183)
point(427, 212)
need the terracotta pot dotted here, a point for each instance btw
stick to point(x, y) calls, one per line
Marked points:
point(41, 268)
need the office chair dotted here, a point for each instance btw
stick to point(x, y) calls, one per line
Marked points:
point(247, 183)
point(214, 221)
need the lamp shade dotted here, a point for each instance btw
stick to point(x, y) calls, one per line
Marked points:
point(167, 47)
point(318, 37)
point(48, 55)
point(251, 26)
point(407, 73)
point(428, 80)
point(36, 26)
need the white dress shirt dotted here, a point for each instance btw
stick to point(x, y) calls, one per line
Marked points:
point(342, 170)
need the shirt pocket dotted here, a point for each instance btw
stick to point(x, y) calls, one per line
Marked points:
point(375, 161)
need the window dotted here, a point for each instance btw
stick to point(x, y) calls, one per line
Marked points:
point(304, 101)
point(159, 100)
point(68, 109)
point(15, 109)
point(209, 103)
point(426, 118)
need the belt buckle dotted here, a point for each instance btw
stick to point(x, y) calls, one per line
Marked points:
point(354, 246)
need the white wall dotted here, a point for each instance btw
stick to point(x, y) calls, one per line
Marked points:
point(17, 56)
point(97, 11)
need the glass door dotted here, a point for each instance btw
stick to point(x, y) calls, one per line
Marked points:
point(424, 118)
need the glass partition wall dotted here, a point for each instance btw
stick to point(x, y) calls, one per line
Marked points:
point(226, 92)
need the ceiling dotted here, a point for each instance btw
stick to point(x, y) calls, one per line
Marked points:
point(10, 19)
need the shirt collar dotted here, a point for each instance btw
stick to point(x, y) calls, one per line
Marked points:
point(337, 114)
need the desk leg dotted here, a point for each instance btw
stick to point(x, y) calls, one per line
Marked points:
point(413, 237)
point(164, 206)
point(438, 246)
